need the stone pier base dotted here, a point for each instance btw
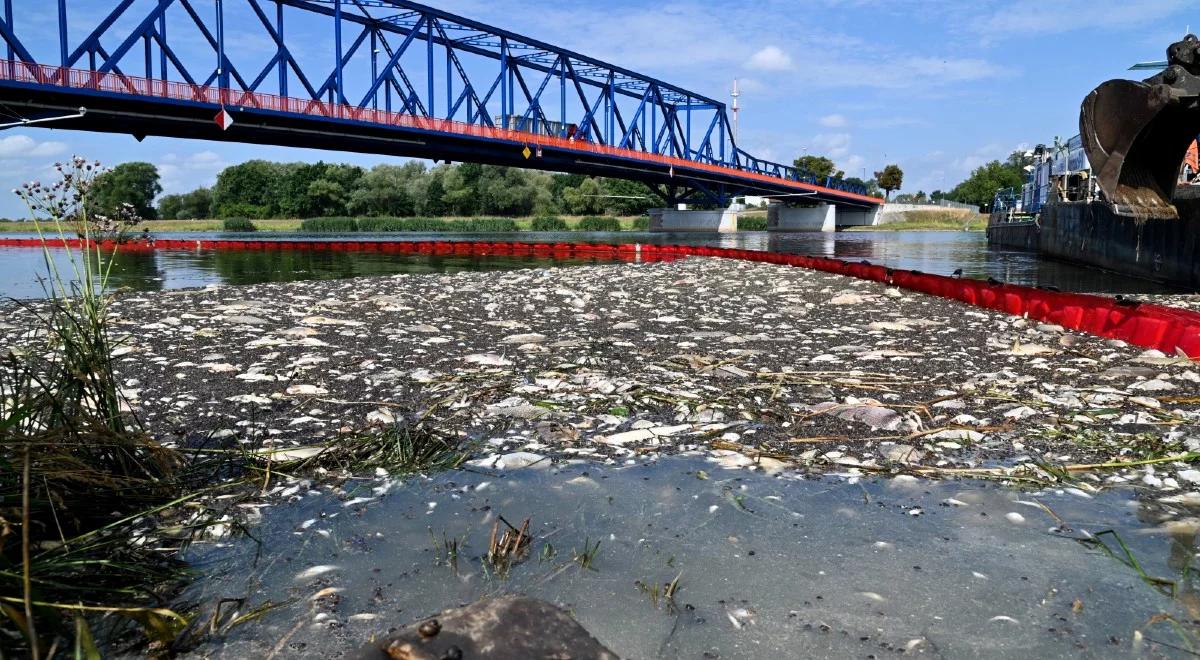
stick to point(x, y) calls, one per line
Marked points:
point(673, 220)
point(822, 218)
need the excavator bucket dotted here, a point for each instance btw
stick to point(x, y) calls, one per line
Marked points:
point(1137, 134)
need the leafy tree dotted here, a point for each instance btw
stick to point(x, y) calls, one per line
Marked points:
point(196, 204)
point(584, 199)
point(628, 197)
point(434, 201)
point(980, 188)
point(250, 190)
point(870, 184)
point(460, 195)
point(385, 191)
point(169, 206)
point(937, 196)
point(325, 197)
point(135, 184)
point(560, 182)
point(292, 188)
point(891, 178)
point(820, 166)
point(505, 191)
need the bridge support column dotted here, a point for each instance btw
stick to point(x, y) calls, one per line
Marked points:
point(673, 220)
point(822, 217)
point(860, 217)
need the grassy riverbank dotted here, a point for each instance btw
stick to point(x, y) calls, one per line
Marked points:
point(751, 221)
point(571, 223)
point(933, 221)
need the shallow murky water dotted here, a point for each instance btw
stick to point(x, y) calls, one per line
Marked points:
point(768, 566)
point(931, 252)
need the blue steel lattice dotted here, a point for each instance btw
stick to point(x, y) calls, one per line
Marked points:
point(389, 55)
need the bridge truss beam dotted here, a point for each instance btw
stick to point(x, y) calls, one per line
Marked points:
point(391, 55)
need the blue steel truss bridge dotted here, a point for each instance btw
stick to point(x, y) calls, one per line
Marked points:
point(386, 77)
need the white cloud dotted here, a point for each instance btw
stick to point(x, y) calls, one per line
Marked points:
point(1025, 18)
point(770, 58)
point(20, 147)
point(833, 145)
point(179, 174)
point(834, 121)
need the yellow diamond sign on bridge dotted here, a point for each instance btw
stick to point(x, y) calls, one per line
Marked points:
point(527, 153)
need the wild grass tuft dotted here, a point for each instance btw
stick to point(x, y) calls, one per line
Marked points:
point(423, 225)
point(79, 480)
point(587, 556)
point(491, 225)
point(548, 223)
point(752, 223)
point(446, 550)
point(335, 225)
point(598, 223)
point(400, 448)
point(238, 224)
point(661, 593)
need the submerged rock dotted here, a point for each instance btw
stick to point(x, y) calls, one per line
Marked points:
point(505, 628)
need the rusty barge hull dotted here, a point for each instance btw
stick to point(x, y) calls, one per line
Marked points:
point(1165, 250)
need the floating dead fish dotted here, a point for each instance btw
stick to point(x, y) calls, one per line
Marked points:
point(306, 390)
point(324, 320)
point(488, 359)
point(315, 571)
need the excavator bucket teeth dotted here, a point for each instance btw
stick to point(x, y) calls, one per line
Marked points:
point(1137, 134)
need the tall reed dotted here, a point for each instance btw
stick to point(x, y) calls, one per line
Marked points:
point(75, 467)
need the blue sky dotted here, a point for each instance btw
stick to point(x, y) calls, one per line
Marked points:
point(938, 86)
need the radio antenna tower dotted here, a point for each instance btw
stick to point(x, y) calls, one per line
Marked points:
point(736, 95)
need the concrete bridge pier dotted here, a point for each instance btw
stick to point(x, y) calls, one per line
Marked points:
point(820, 218)
point(674, 220)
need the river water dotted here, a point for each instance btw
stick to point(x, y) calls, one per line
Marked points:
point(931, 252)
point(783, 567)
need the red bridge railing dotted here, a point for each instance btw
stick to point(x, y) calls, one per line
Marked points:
point(115, 83)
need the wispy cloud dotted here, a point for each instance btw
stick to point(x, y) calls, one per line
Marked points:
point(1029, 18)
point(834, 121)
point(185, 173)
point(23, 147)
point(770, 58)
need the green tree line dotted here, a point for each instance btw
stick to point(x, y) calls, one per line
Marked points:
point(262, 189)
point(980, 187)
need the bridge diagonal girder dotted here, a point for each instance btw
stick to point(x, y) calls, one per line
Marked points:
point(531, 99)
point(14, 44)
point(535, 101)
point(468, 89)
point(412, 100)
point(282, 50)
point(226, 67)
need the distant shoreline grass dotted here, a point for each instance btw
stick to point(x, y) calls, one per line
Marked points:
point(933, 221)
point(572, 223)
point(751, 221)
